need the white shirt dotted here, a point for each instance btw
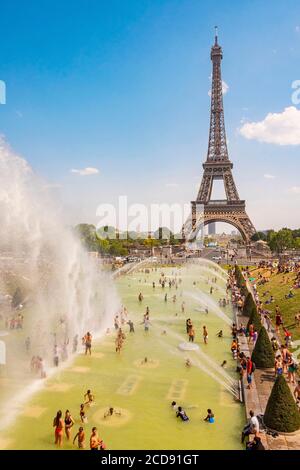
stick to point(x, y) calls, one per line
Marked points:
point(254, 423)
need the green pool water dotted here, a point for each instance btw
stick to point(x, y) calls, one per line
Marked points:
point(144, 393)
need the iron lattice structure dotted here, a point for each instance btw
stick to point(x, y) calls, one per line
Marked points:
point(218, 167)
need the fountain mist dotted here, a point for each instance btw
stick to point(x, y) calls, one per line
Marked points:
point(62, 290)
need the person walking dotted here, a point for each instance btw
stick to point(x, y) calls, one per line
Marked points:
point(58, 424)
point(250, 369)
point(191, 334)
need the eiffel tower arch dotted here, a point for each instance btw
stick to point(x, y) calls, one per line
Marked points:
point(232, 209)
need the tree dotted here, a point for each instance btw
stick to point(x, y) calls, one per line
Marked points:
point(254, 320)
point(279, 241)
point(103, 246)
point(240, 280)
point(150, 242)
point(87, 235)
point(116, 248)
point(259, 236)
point(263, 354)
point(249, 305)
point(282, 413)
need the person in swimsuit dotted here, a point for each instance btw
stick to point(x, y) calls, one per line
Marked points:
point(291, 370)
point(69, 422)
point(89, 397)
point(88, 343)
point(181, 414)
point(82, 414)
point(146, 323)
point(119, 340)
point(189, 325)
point(80, 436)
point(278, 369)
point(205, 335)
point(285, 353)
point(191, 334)
point(95, 441)
point(131, 326)
point(58, 424)
point(110, 412)
point(210, 418)
point(188, 363)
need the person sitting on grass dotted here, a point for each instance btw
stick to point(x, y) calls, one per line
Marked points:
point(290, 295)
point(274, 343)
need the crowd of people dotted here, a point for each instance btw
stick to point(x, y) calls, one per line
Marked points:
point(63, 426)
point(284, 360)
point(280, 337)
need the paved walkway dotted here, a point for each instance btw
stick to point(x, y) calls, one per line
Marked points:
point(256, 398)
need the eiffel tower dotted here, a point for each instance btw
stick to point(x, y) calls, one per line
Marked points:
point(218, 167)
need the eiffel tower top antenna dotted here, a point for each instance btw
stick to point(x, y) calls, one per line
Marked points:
point(216, 35)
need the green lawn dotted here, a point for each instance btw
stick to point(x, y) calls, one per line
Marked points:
point(278, 286)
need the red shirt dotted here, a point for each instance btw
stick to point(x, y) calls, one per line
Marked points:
point(249, 367)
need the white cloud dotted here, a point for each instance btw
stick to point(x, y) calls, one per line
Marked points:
point(269, 177)
point(295, 189)
point(225, 88)
point(52, 186)
point(276, 128)
point(85, 171)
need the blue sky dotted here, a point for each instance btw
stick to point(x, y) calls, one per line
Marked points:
point(122, 86)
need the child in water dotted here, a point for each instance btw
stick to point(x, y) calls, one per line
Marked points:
point(83, 417)
point(110, 412)
point(210, 418)
point(80, 436)
point(89, 397)
point(181, 414)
